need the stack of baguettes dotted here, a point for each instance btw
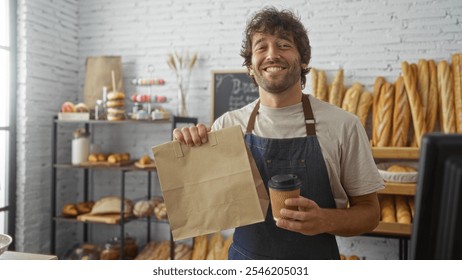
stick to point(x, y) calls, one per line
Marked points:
point(354, 99)
point(396, 209)
point(426, 97)
point(211, 247)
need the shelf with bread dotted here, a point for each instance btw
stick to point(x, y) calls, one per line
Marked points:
point(120, 214)
point(425, 97)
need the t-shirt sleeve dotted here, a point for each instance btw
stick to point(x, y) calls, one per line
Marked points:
point(360, 175)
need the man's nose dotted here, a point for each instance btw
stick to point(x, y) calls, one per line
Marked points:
point(273, 53)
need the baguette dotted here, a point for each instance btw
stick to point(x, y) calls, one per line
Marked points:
point(403, 213)
point(423, 84)
point(350, 102)
point(224, 251)
point(200, 248)
point(432, 106)
point(321, 87)
point(385, 115)
point(457, 74)
point(418, 118)
point(314, 81)
point(445, 88)
point(215, 246)
point(379, 81)
point(336, 92)
point(364, 106)
point(387, 209)
point(401, 115)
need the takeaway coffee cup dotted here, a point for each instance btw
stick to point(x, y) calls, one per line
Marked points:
point(281, 187)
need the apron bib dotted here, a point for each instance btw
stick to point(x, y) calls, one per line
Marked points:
point(300, 156)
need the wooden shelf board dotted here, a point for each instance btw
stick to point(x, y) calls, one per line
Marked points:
point(393, 229)
point(396, 152)
point(131, 167)
point(399, 188)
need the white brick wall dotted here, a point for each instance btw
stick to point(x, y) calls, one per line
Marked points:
point(367, 38)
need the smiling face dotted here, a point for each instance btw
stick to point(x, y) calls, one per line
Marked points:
point(276, 64)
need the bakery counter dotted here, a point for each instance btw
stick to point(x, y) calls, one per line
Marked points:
point(13, 255)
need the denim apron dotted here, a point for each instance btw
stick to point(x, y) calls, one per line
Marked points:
point(301, 156)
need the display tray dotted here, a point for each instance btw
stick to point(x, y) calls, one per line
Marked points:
point(106, 218)
point(106, 163)
point(393, 229)
point(73, 116)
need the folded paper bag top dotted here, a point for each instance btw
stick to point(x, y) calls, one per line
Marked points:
point(212, 187)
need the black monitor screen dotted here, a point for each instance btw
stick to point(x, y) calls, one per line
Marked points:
point(436, 148)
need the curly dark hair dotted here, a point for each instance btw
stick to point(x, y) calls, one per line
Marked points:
point(272, 21)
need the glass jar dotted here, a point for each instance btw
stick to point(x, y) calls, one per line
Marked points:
point(80, 146)
point(111, 249)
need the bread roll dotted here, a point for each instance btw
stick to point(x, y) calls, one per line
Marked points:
point(364, 106)
point(314, 82)
point(445, 86)
point(93, 158)
point(400, 168)
point(70, 210)
point(418, 118)
point(379, 81)
point(401, 115)
point(143, 208)
point(403, 213)
point(432, 106)
point(385, 115)
point(336, 93)
point(200, 248)
point(457, 74)
point(321, 86)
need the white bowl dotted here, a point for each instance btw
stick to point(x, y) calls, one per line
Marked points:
point(5, 241)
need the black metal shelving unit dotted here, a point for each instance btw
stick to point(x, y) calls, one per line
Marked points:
point(88, 124)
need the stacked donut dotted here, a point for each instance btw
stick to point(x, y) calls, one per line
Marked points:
point(115, 106)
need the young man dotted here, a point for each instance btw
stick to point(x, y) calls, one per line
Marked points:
point(290, 132)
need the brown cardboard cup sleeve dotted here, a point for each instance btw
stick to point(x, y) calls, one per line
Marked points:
point(212, 187)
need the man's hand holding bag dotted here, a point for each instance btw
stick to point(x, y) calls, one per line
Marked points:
point(212, 187)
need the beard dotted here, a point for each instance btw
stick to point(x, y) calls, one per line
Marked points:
point(278, 82)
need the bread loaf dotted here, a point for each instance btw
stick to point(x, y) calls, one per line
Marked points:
point(401, 115)
point(148, 251)
point(432, 106)
point(143, 208)
point(385, 115)
point(423, 84)
point(387, 209)
point(314, 82)
point(457, 74)
point(200, 248)
point(351, 99)
point(111, 205)
point(403, 213)
point(418, 118)
point(379, 81)
point(321, 87)
point(215, 246)
point(364, 106)
point(224, 251)
point(411, 205)
point(400, 168)
point(445, 87)
point(336, 92)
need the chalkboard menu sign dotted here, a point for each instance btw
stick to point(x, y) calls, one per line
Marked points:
point(231, 90)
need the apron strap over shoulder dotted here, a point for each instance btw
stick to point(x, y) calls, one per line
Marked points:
point(308, 111)
point(309, 117)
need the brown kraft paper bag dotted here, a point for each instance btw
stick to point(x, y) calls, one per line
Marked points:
point(212, 187)
point(98, 71)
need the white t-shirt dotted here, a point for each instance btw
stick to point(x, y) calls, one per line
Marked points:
point(343, 140)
